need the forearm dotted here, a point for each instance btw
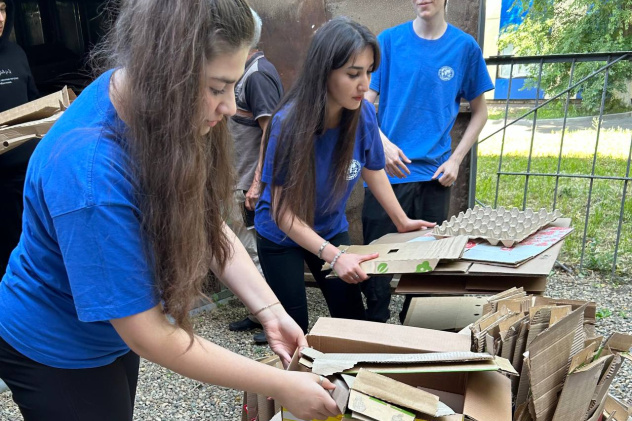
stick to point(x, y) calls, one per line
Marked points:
point(152, 337)
point(303, 235)
point(381, 188)
point(473, 130)
point(242, 277)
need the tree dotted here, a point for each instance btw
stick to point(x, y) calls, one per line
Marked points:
point(573, 26)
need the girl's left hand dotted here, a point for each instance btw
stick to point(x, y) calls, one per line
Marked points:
point(414, 225)
point(283, 334)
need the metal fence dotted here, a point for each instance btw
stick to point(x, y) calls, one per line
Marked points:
point(618, 182)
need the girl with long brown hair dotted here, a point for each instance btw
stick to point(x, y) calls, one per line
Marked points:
point(321, 139)
point(125, 200)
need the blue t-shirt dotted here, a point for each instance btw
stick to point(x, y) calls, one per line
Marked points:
point(328, 220)
point(421, 83)
point(81, 259)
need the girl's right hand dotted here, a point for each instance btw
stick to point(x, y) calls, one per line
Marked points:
point(303, 395)
point(348, 268)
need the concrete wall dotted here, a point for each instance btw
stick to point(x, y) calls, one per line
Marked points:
point(289, 24)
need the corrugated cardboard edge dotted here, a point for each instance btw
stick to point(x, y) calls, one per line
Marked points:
point(40, 108)
point(397, 393)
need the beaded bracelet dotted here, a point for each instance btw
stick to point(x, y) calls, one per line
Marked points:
point(322, 247)
point(265, 307)
point(333, 262)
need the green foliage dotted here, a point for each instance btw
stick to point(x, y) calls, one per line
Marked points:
point(573, 26)
point(603, 313)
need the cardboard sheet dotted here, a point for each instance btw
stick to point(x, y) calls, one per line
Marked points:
point(521, 252)
point(40, 108)
point(397, 393)
point(444, 313)
point(416, 257)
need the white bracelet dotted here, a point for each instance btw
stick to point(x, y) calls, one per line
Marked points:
point(320, 250)
point(333, 262)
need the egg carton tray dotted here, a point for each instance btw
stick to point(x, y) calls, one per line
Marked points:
point(501, 225)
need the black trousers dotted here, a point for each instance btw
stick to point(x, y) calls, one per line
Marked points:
point(283, 268)
point(45, 393)
point(427, 200)
point(13, 166)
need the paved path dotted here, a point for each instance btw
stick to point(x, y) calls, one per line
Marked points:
point(612, 121)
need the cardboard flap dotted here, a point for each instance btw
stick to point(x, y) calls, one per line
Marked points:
point(395, 392)
point(577, 392)
point(619, 342)
point(488, 397)
point(328, 364)
point(415, 257)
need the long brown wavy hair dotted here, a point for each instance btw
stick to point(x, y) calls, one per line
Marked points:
point(185, 178)
point(305, 105)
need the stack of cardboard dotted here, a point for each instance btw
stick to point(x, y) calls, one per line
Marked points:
point(386, 372)
point(33, 119)
point(565, 370)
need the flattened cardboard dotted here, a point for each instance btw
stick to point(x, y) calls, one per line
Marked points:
point(549, 357)
point(373, 408)
point(415, 257)
point(392, 391)
point(327, 364)
point(13, 136)
point(539, 265)
point(578, 389)
point(444, 313)
point(342, 335)
point(40, 108)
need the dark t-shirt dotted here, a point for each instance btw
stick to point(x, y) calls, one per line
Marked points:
point(16, 82)
point(257, 95)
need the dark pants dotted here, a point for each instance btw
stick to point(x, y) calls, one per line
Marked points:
point(45, 393)
point(427, 200)
point(284, 271)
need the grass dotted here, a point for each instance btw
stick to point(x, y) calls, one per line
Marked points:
point(572, 193)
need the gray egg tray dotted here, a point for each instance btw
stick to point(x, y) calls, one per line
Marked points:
point(506, 226)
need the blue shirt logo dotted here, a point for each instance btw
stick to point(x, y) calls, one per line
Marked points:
point(354, 170)
point(446, 73)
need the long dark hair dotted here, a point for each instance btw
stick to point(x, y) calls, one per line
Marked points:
point(185, 178)
point(332, 46)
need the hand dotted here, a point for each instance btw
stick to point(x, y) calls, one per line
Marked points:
point(304, 396)
point(408, 225)
point(252, 195)
point(348, 268)
point(283, 334)
point(450, 170)
point(396, 160)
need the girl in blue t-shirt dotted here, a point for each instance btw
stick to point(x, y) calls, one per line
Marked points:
point(124, 219)
point(321, 140)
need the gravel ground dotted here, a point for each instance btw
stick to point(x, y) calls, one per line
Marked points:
point(164, 395)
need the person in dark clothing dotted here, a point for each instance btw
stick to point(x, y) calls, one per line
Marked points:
point(16, 88)
point(16, 82)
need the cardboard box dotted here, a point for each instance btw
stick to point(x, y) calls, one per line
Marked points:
point(33, 119)
point(411, 257)
point(478, 395)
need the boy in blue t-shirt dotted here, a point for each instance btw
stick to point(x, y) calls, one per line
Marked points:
point(427, 66)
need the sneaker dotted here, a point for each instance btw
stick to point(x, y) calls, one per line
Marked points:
point(244, 325)
point(260, 338)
